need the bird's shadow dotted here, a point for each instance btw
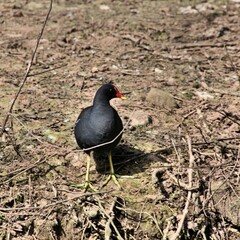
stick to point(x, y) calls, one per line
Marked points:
point(127, 160)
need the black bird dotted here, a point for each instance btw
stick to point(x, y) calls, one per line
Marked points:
point(97, 125)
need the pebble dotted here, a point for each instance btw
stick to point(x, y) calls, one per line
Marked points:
point(158, 70)
point(204, 95)
point(92, 212)
point(94, 69)
point(139, 118)
point(161, 98)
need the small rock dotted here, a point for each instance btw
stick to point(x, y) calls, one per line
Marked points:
point(187, 10)
point(114, 67)
point(82, 74)
point(158, 70)
point(171, 81)
point(232, 78)
point(161, 98)
point(104, 7)
point(94, 69)
point(204, 95)
point(139, 118)
point(202, 7)
point(92, 212)
point(76, 160)
point(42, 202)
point(211, 33)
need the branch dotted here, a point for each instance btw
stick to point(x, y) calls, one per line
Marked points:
point(190, 184)
point(110, 221)
point(6, 209)
point(27, 71)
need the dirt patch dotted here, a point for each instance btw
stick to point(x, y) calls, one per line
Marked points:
point(191, 52)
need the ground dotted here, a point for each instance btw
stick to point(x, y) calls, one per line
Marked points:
point(177, 62)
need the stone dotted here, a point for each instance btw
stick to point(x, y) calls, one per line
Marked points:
point(139, 118)
point(94, 69)
point(161, 98)
point(158, 70)
point(104, 7)
point(204, 95)
point(92, 212)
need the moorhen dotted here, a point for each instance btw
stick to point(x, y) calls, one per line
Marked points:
point(99, 124)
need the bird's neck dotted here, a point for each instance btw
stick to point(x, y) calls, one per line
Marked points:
point(100, 100)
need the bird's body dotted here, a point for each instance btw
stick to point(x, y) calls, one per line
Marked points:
point(100, 124)
point(93, 129)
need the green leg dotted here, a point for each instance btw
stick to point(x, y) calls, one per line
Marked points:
point(87, 183)
point(112, 173)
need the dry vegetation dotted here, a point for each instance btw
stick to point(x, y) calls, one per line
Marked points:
point(182, 161)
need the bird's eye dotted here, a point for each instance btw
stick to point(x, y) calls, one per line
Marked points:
point(110, 90)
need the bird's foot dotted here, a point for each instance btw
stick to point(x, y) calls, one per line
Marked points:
point(87, 185)
point(114, 178)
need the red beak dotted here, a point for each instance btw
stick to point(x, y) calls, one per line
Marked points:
point(118, 94)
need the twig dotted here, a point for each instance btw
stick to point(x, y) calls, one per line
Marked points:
point(229, 183)
point(172, 147)
point(140, 216)
point(55, 203)
point(34, 136)
point(44, 222)
point(206, 201)
point(27, 71)
point(23, 170)
point(84, 230)
point(166, 230)
point(230, 59)
point(110, 219)
point(108, 230)
point(48, 70)
point(202, 45)
point(190, 184)
point(180, 183)
point(186, 116)
point(152, 216)
point(228, 115)
point(236, 94)
point(154, 219)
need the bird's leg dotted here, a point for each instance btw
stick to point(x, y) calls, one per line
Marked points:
point(112, 173)
point(87, 183)
point(87, 177)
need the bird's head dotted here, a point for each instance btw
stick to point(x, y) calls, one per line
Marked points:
point(109, 91)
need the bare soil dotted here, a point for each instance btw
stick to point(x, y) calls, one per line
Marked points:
point(183, 166)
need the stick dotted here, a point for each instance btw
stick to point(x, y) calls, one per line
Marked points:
point(110, 219)
point(190, 184)
point(48, 70)
point(23, 170)
point(53, 204)
point(27, 71)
